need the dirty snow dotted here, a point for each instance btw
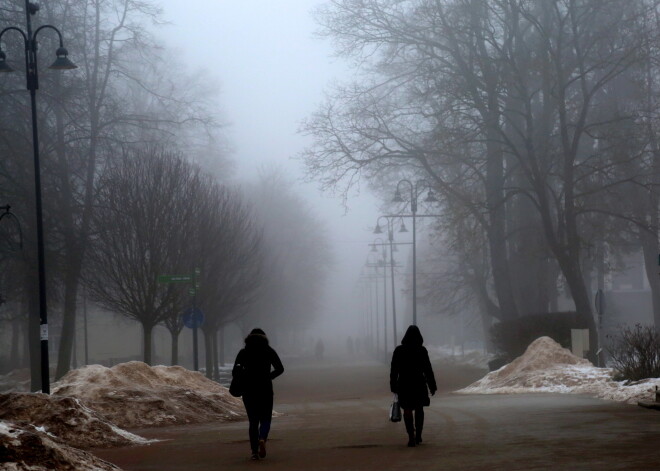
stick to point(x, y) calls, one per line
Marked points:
point(26, 448)
point(547, 367)
point(64, 418)
point(135, 394)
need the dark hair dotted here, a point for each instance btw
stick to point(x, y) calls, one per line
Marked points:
point(413, 336)
point(257, 331)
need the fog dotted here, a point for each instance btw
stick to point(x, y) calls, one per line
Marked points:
point(233, 160)
point(272, 71)
point(344, 175)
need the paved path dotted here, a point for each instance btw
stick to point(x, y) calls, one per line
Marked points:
point(338, 421)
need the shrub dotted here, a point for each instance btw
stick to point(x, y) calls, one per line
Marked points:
point(635, 353)
point(511, 338)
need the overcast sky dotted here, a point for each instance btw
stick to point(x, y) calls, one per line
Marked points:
point(272, 72)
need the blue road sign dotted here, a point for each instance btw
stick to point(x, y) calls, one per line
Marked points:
point(193, 317)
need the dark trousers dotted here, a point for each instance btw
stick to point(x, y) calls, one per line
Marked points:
point(418, 425)
point(259, 408)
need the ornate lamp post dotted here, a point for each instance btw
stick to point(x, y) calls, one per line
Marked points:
point(61, 63)
point(370, 263)
point(414, 194)
point(390, 236)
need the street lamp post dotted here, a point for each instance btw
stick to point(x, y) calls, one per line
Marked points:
point(414, 194)
point(375, 304)
point(61, 63)
point(382, 263)
point(390, 236)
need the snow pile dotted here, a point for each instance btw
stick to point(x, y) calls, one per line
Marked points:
point(135, 394)
point(15, 381)
point(26, 448)
point(457, 356)
point(547, 367)
point(64, 418)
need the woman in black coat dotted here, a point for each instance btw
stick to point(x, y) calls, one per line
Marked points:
point(410, 374)
point(253, 363)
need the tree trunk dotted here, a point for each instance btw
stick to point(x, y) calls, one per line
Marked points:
point(208, 352)
point(15, 341)
point(69, 316)
point(175, 348)
point(147, 343)
point(216, 370)
point(572, 272)
point(35, 343)
point(649, 244)
point(497, 229)
point(74, 248)
point(221, 346)
point(25, 335)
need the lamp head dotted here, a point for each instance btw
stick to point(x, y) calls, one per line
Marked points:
point(373, 248)
point(397, 197)
point(62, 62)
point(378, 229)
point(430, 197)
point(4, 67)
point(403, 227)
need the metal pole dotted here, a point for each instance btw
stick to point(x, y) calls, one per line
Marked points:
point(384, 304)
point(32, 85)
point(377, 312)
point(391, 236)
point(414, 211)
point(371, 315)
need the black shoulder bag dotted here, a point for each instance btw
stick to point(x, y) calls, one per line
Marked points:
point(237, 386)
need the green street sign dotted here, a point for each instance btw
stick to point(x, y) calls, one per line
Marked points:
point(174, 279)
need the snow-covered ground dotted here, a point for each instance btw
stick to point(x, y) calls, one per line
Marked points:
point(87, 407)
point(64, 419)
point(30, 448)
point(135, 394)
point(546, 367)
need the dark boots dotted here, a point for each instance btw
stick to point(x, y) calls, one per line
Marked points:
point(414, 428)
point(419, 425)
point(410, 428)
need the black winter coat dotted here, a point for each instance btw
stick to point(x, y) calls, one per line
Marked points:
point(254, 364)
point(410, 374)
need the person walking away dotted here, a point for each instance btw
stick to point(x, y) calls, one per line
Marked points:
point(411, 378)
point(258, 364)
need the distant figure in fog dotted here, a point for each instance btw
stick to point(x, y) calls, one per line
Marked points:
point(410, 374)
point(253, 363)
point(318, 350)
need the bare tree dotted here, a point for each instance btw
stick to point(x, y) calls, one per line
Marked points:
point(503, 105)
point(141, 224)
point(228, 249)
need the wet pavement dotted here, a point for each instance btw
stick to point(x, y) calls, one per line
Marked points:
point(334, 417)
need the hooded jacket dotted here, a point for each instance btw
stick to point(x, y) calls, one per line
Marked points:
point(411, 371)
point(258, 364)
